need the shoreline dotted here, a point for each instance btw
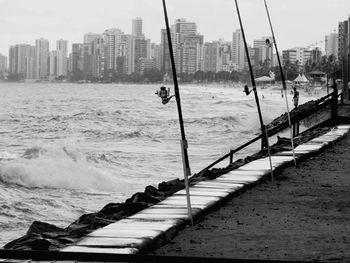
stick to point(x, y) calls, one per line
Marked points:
point(45, 236)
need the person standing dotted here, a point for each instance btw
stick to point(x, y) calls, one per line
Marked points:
point(295, 97)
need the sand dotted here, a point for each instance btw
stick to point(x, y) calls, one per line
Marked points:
point(304, 214)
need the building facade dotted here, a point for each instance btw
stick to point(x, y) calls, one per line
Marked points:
point(297, 54)
point(62, 54)
point(316, 55)
point(165, 65)
point(186, 42)
point(212, 59)
point(76, 61)
point(113, 48)
point(53, 64)
point(41, 58)
point(237, 49)
point(3, 65)
point(145, 64)
point(344, 52)
point(155, 54)
point(137, 28)
point(22, 61)
point(140, 51)
point(331, 44)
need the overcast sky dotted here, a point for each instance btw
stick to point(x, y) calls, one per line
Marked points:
point(296, 22)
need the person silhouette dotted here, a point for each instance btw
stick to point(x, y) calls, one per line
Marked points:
point(295, 97)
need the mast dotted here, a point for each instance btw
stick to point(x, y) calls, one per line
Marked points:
point(283, 82)
point(264, 137)
point(184, 145)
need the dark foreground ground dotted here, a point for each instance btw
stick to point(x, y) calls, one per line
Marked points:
point(304, 214)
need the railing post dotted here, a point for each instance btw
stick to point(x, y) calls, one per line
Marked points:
point(262, 140)
point(231, 157)
point(298, 127)
point(334, 113)
point(342, 98)
point(294, 129)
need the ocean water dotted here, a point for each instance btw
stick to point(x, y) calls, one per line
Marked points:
point(69, 149)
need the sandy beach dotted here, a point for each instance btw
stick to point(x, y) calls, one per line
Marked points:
point(302, 215)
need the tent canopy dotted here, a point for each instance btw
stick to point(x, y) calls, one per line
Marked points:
point(301, 79)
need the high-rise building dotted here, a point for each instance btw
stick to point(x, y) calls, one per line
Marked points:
point(189, 58)
point(316, 55)
point(76, 60)
point(62, 51)
point(22, 61)
point(89, 37)
point(98, 57)
point(41, 58)
point(344, 52)
point(140, 52)
point(17, 55)
point(164, 53)
point(137, 27)
point(212, 57)
point(113, 41)
point(156, 55)
point(237, 49)
point(91, 52)
point(30, 64)
point(145, 64)
point(343, 38)
point(297, 54)
point(129, 41)
point(53, 64)
point(87, 60)
point(182, 29)
point(255, 57)
point(331, 44)
point(225, 49)
point(3, 65)
point(186, 44)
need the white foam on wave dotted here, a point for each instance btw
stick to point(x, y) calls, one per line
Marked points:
point(56, 167)
point(5, 156)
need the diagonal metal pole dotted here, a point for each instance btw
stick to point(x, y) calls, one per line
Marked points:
point(263, 129)
point(283, 83)
point(184, 145)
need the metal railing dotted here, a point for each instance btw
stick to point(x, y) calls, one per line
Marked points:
point(320, 104)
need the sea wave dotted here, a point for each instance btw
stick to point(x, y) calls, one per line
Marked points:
point(213, 120)
point(6, 156)
point(55, 167)
point(105, 135)
point(223, 102)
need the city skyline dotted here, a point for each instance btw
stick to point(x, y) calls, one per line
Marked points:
point(25, 21)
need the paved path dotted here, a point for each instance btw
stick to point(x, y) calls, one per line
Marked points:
point(303, 215)
point(158, 224)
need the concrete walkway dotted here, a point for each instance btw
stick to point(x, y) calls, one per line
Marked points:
point(157, 225)
point(303, 215)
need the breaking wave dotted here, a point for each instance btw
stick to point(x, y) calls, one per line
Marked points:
point(55, 167)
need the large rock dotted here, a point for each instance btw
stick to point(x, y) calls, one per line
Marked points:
point(38, 227)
